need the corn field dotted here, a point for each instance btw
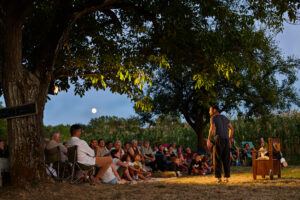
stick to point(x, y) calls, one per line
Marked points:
point(284, 126)
point(166, 130)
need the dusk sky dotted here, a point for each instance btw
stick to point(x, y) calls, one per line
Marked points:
point(66, 108)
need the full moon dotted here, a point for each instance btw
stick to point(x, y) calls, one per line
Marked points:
point(94, 110)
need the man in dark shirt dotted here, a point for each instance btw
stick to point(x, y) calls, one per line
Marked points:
point(219, 125)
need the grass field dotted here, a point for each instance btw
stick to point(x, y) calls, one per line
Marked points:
point(241, 186)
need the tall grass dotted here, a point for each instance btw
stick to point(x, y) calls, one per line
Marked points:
point(166, 130)
point(284, 126)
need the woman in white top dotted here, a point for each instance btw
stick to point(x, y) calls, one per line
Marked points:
point(111, 176)
point(121, 167)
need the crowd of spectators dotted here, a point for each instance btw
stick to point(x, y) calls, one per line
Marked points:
point(118, 162)
point(132, 161)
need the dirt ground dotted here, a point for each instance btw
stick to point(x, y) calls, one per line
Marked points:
point(241, 186)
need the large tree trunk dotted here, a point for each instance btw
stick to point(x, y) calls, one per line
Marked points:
point(200, 138)
point(25, 137)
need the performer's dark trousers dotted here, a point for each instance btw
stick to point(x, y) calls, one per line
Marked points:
point(221, 157)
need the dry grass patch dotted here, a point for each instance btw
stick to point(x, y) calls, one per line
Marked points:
point(241, 186)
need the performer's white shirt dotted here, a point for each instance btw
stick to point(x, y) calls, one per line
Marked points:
point(86, 154)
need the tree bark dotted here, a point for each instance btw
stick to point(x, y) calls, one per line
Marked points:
point(200, 138)
point(198, 126)
point(20, 87)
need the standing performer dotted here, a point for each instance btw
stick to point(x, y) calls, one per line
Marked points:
point(221, 151)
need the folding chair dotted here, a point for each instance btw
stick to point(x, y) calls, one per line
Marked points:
point(251, 146)
point(53, 162)
point(75, 167)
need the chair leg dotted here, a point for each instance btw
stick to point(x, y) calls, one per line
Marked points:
point(72, 174)
point(91, 182)
point(58, 169)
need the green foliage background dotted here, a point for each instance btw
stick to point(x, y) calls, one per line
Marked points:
point(167, 129)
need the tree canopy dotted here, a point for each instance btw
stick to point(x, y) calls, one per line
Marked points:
point(228, 60)
point(116, 44)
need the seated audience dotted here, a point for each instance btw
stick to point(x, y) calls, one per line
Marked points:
point(207, 168)
point(170, 153)
point(55, 142)
point(111, 176)
point(121, 167)
point(3, 150)
point(102, 150)
point(118, 146)
point(126, 147)
point(94, 146)
point(132, 170)
point(160, 158)
point(140, 145)
point(154, 149)
point(246, 151)
point(148, 154)
point(189, 155)
point(142, 173)
point(263, 151)
point(175, 166)
point(174, 145)
point(263, 145)
point(133, 150)
point(196, 167)
point(182, 161)
point(108, 145)
point(246, 155)
point(86, 155)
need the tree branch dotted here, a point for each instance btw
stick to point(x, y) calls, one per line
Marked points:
point(66, 16)
point(76, 75)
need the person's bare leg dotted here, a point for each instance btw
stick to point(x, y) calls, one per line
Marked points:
point(132, 174)
point(103, 163)
point(141, 176)
point(127, 175)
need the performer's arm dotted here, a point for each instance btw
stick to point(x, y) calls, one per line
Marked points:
point(211, 130)
point(231, 130)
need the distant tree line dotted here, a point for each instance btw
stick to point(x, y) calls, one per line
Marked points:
point(167, 129)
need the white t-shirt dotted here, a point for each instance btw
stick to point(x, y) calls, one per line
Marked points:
point(115, 162)
point(108, 175)
point(86, 155)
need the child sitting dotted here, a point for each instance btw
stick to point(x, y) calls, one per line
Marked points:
point(208, 169)
point(175, 166)
point(121, 167)
point(196, 166)
point(132, 170)
point(141, 173)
